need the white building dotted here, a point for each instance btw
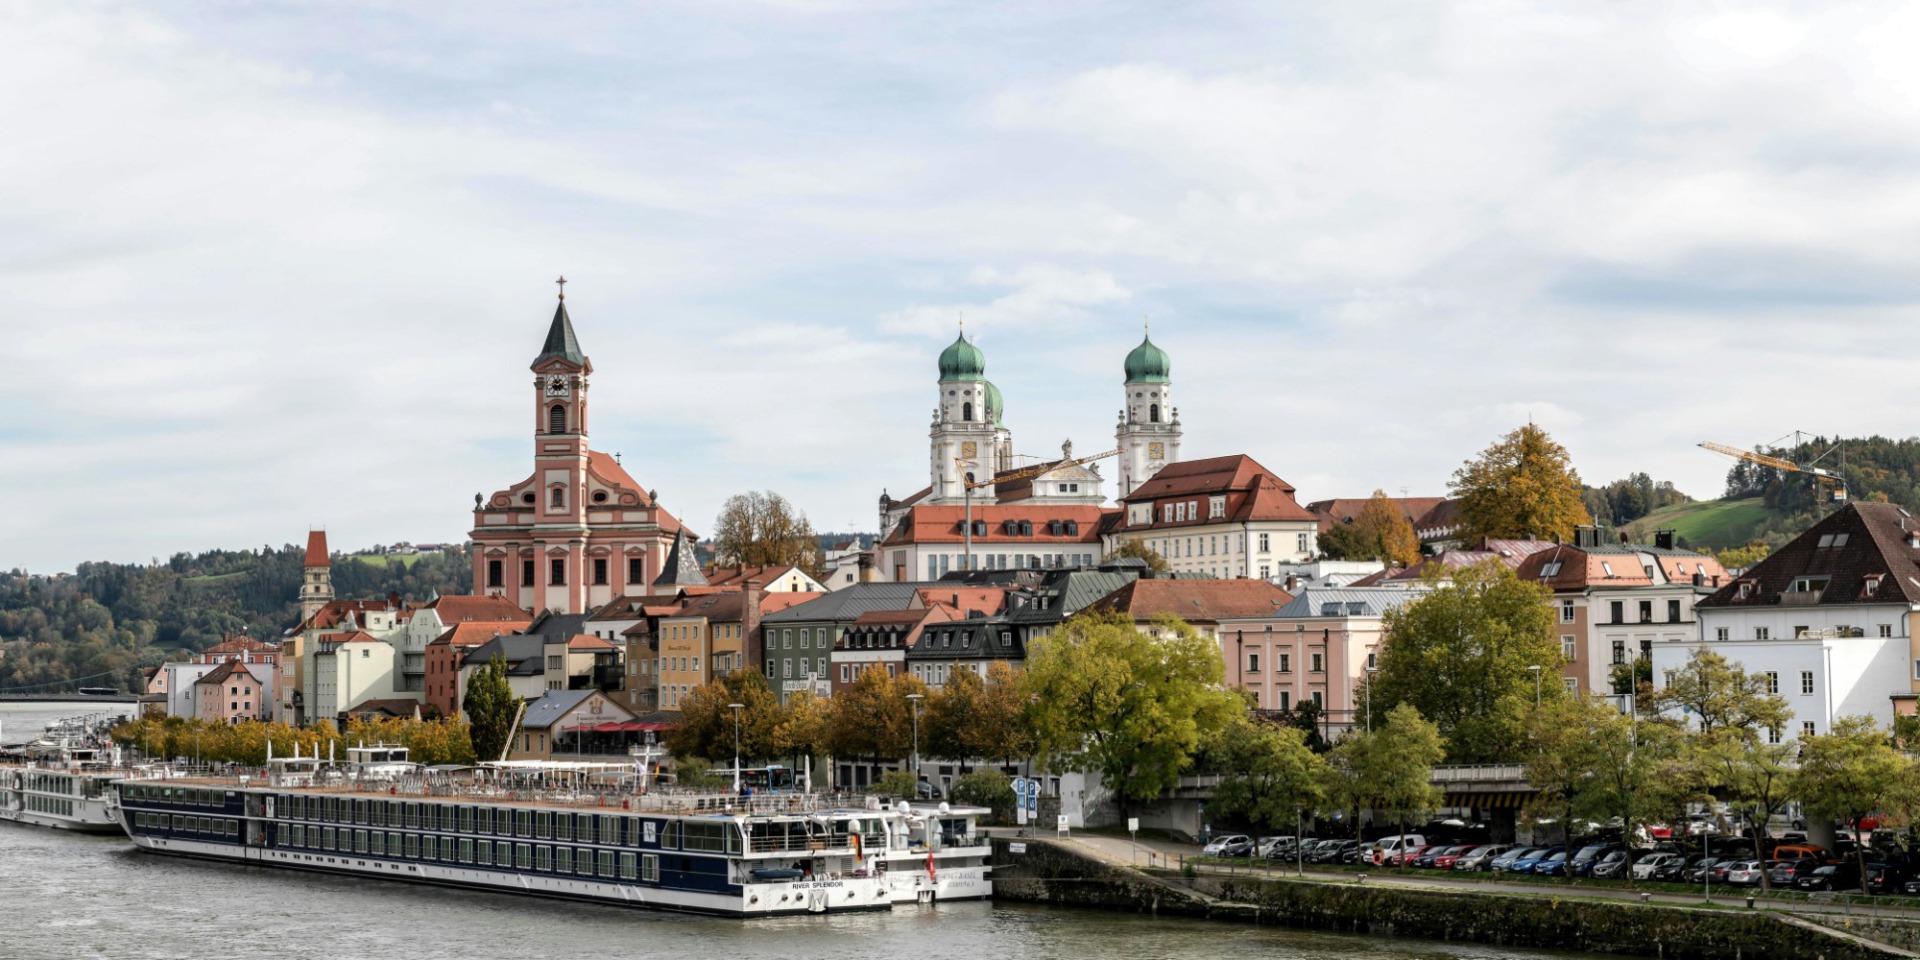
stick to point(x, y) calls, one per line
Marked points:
point(1219, 517)
point(1828, 618)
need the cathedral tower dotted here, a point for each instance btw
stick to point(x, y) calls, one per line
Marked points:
point(1148, 434)
point(968, 437)
point(316, 582)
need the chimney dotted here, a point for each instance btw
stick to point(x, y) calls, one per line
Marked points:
point(1663, 539)
point(750, 625)
point(1699, 579)
point(865, 563)
point(1292, 584)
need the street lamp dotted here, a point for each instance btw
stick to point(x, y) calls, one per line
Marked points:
point(1370, 674)
point(913, 704)
point(1535, 669)
point(736, 708)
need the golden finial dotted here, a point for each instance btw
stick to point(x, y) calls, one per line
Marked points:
point(562, 282)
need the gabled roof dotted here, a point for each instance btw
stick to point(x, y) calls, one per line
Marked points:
point(241, 644)
point(316, 549)
point(544, 712)
point(737, 575)
point(561, 343)
point(1348, 601)
point(1347, 509)
point(522, 653)
point(1264, 496)
point(977, 638)
point(1568, 567)
point(472, 633)
point(1862, 553)
point(403, 707)
point(941, 524)
point(1065, 595)
point(335, 612)
point(847, 604)
point(1196, 600)
point(455, 609)
point(782, 600)
point(727, 607)
point(588, 642)
point(964, 600)
point(555, 627)
point(222, 673)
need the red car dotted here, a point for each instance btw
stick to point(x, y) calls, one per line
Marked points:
point(1406, 856)
point(1446, 861)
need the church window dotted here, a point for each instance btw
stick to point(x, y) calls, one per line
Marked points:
point(526, 573)
point(557, 571)
point(493, 573)
point(635, 572)
point(558, 499)
point(599, 496)
point(600, 570)
point(527, 497)
point(557, 419)
point(966, 411)
point(1153, 414)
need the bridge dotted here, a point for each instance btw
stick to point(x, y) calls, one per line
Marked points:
point(1485, 786)
point(75, 698)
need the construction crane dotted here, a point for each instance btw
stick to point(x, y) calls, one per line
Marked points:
point(1832, 483)
point(968, 484)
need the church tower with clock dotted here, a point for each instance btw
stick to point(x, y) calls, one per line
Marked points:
point(1148, 434)
point(579, 532)
point(969, 437)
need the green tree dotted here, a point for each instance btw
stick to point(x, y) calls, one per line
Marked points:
point(804, 724)
point(1385, 532)
point(951, 714)
point(1136, 707)
point(985, 787)
point(873, 718)
point(1137, 549)
point(1461, 655)
point(706, 727)
point(998, 732)
point(762, 529)
point(1713, 694)
point(1388, 770)
point(696, 773)
point(1523, 487)
point(1269, 776)
point(901, 784)
point(1848, 774)
point(491, 709)
point(1755, 779)
point(1587, 760)
point(1740, 558)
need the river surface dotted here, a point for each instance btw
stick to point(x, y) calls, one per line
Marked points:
point(69, 896)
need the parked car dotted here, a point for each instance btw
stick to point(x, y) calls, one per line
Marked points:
point(1481, 858)
point(1263, 847)
point(1388, 847)
point(1504, 863)
point(1886, 877)
point(1801, 851)
point(1426, 858)
point(1581, 863)
point(1831, 876)
point(1527, 863)
point(1292, 848)
point(1745, 873)
point(1645, 867)
point(1220, 845)
point(1783, 873)
point(1613, 865)
point(1552, 865)
point(1405, 855)
point(1329, 851)
point(1446, 860)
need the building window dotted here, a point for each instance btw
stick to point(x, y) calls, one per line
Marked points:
point(493, 573)
point(526, 573)
point(557, 571)
point(1806, 683)
point(1616, 612)
point(1673, 611)
point(1153, 413)
point(1566, 611)
point(600, 571)
point(1216, 507)
point(1806, 728)
point(1319, 663)
point(1283, 663)
point(1263, 543)
point(1886, 629)
point(1304, 543)
point(1773, 734)
point(1568, 648)
point(1318, 700)
point(1286, 700)
point(1773, 681)
point(1646, 611)
point(1253, 662)
point(1373, 660)
point(635, 572)
point(1762, 633)
point(1720, 634)
point(557, 419)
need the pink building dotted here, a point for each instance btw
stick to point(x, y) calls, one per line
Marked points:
point(1318, 648)
point(230, 694)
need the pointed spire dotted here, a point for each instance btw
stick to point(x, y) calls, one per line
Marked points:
point(682, 568)
point(561, 343)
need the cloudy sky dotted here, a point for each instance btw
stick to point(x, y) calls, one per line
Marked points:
point(266, 266)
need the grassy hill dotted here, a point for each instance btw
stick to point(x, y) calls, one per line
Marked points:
point(1706, 524)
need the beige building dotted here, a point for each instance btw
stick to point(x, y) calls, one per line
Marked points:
point(1220, 517)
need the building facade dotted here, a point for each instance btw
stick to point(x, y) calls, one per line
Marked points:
point(1220, 517)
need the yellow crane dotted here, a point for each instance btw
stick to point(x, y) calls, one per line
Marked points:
point(1835, 486)
point(1024, 473)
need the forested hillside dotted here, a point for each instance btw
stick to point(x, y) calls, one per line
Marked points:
point(98, 625)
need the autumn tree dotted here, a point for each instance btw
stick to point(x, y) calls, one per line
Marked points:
point(1137, 549)
point(762, 529)
point(1523, 487)
point(951, 714)
point(804, 723)
point(1103, 695)
point(490, 707)
point(1713, 694)
point(1269, 776)
point(999, 733)
point(1462, 655)
point(873, 718)
point(1385, 533)
point(1848, 774)
point(706, 727)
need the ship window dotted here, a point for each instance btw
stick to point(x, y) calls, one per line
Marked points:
point(563, 826)
point(523, 855)
point(585, 865)
point(543, 858)
point(628, 866)
point(670, 837)
point(606, 863)
point(563, 859)
point(483, 853)
point(650, 868)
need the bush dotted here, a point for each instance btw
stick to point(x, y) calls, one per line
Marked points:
point(985, 788)
point(895, 783)
point(697, 774)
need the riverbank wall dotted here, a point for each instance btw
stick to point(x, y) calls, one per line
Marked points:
point(1049, 872)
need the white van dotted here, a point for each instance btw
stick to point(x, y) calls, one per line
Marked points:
point(1386, 847)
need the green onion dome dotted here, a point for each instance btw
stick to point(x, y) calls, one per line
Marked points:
point(1148, 364)
point(962, 361)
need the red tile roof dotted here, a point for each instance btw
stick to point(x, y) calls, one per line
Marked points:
point(609, 470)
point(455, 609)
point(776, 602)
point(1253, 493)
point(222, 673)
point(581, 641)
point(1346, 510)
point(931, 524)
point(472, 633)
point(1861, 553)
point(316, 549)
point(961, 601)
point(737, 575)
point(1195, 600)
point(335, 612)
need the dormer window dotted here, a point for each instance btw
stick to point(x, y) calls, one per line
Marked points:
point(1072, 528)
point(1606, 568)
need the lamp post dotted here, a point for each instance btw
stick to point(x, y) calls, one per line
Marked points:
point(736, 708)
point(1370, 673)
point(913, 704)
point(1535, 670)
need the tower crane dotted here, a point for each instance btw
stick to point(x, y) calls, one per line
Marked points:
point(1834, 485)
point(968, 484)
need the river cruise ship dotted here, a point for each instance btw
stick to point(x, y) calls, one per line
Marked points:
point(578, 831)
point(61, 780)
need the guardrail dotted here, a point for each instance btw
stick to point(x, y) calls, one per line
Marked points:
point(1481, 771)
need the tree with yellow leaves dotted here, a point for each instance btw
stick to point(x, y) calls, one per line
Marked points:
point(1523, 487)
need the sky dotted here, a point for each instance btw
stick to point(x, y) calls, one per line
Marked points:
point(270, 266)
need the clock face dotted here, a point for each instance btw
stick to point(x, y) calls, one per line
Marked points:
point(1156, 451)
point(969, 449)
point(556, 386)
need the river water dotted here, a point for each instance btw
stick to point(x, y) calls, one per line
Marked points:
point(68, 896)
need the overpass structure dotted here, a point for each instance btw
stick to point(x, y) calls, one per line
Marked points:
point(1486, 786)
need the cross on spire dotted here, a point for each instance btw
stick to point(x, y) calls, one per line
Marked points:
point(562, 282)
